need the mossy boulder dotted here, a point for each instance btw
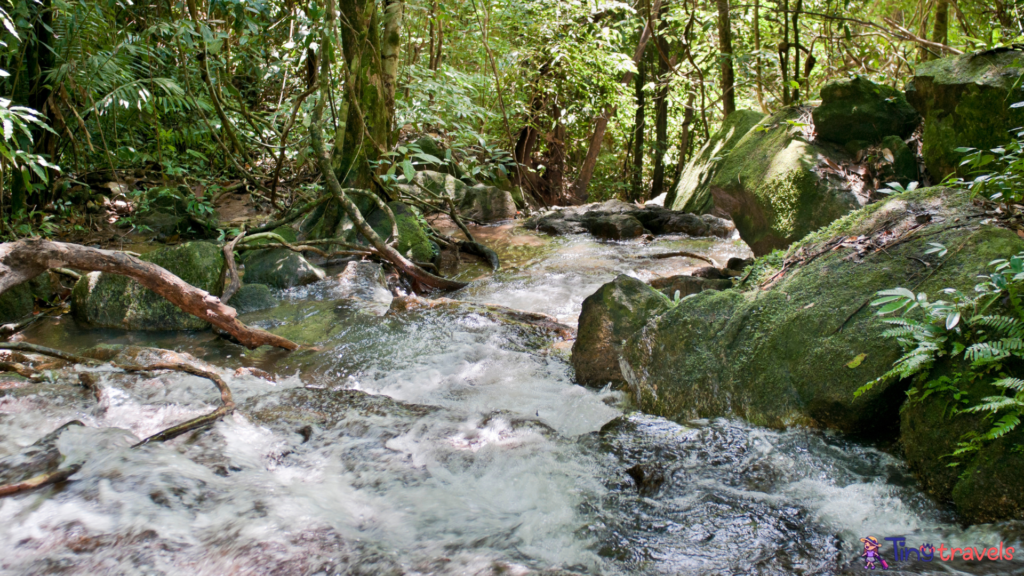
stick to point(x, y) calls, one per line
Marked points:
point(795, 352)
point(413, 241)
point(610, 316)
point(966, 102)
point(903, 166)
point(253, 297)
point(102, 300)
point(16, 303)
point(770, 187)
point(686, 285)
point(859, 109)
point(280, 268)
point(487, 204)
point(693, 193)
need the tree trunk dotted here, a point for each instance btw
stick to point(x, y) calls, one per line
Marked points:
point(394, 11)
point(636, 189)
point(940, 32)
point(725, 47)
point(660, 110)
point(601, 123)
point(758, 76)
point(23, 260)
point(365, 104)
point(796, 49)
point(784, 53)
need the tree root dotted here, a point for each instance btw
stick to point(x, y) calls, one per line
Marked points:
point(25, 259)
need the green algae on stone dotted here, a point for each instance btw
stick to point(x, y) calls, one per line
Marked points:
point(966, 102)
point(769, 187)
point(413, 241)
point(781, 356)
point(102, 300)
point(610, 316)
point(693, 193)
point(16, 303)
point(858, 109)
point(253, 297)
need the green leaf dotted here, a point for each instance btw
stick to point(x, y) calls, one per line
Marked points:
point(856, 360)
point(408, 170)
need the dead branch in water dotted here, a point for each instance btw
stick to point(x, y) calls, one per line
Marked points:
point(25, 259)
point(227, 404)
point(680, 254)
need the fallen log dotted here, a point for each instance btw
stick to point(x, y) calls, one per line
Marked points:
point(25, 259)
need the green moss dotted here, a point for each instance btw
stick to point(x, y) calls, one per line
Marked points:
point(413, 241)
point(775, 198)
point(780, 356)
point(113, 301)
point(16, 303)
point(965, 101)
point(693, 193)
point(858, 109)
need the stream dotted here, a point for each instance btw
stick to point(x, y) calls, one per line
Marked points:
point(437, 442)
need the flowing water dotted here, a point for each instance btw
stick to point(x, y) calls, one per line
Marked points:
point(434, 441)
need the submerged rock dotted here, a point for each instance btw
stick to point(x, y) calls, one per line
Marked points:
point(769, 186)
point(859, 109)
point(614, 227)
point(610, 316)
point(253, 297)
point(693, 193)
point(103, 300)
point(966, 101)
point(794, 353)
point(363, 281)
point(280, 268)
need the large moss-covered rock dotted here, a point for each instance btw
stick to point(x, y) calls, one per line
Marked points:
point(796, 352)
point(16, 303)
point(966, 101)
point(610, 316)
point(859, 109)
point(253, 297)
point(413, 241)
point(768, 184)
point(280, 268)
point(110, 301)
point(487, 204)
point(693, 193)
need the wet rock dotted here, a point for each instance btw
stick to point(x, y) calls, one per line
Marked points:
point(326, 408)
point(859, 109)
point(362, 281)
point(965, 101)
point(165, 212)
point(610, 316)
point(687, 284)
point(739, 264)
point(614, 227)
point(615, 220)
point(255, 372)
point(709, 273)
point(794, 353)
point(770, 189)
point(487, 204)
point(102, 300)
point(648, 478)
point(280, 268)
point(253, 297)
point(16, 303)
point(662, 221)
point(693, 193)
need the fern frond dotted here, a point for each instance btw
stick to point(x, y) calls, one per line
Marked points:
point(994, 404)
point(1004, 426)
point(1010, 383)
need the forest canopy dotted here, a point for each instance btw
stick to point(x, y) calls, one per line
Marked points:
point(566, 101)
